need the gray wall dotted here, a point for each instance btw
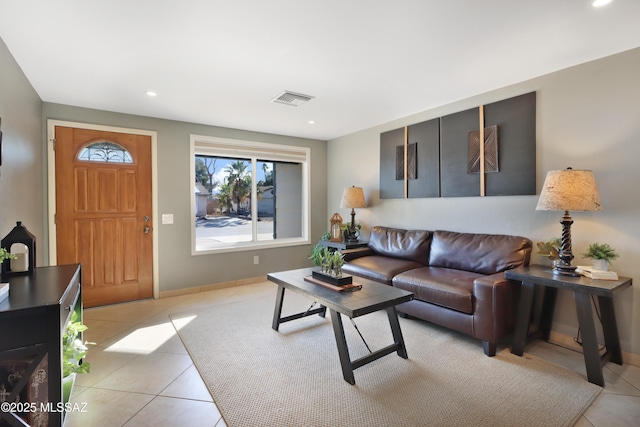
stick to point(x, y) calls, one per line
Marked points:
point(588, 117)
point(177, 268)
point(22, 171)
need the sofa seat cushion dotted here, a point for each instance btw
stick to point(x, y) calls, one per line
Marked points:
point(379, 268)
point(442, 286)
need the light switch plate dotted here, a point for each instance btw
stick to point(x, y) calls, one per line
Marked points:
point(167, 218)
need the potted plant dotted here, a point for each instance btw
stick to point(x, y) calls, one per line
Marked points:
point(330, 263)
point(550, 249)
point(318, 249)
point(73, 353)
point(601, 255)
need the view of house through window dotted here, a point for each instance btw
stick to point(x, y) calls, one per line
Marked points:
point(240, 200)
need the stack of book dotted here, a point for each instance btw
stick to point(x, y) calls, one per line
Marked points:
point(592, 273)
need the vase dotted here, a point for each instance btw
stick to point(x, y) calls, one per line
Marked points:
point(67, 386)
point(600, 264)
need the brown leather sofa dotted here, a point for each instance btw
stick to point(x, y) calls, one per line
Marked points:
point(457, 278)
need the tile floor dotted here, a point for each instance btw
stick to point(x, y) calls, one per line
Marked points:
point(141, 374)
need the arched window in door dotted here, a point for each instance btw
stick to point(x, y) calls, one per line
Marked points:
point(105, 151)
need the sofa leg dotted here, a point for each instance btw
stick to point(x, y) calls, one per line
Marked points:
point(489, 348)
point(403, 315)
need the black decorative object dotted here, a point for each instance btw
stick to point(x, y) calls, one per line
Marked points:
point(338, 281)
point(19, 235)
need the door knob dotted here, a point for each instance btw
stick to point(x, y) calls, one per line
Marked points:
point(147, 229)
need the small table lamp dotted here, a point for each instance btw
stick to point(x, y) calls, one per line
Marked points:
point(568, 190)
point(353, 197)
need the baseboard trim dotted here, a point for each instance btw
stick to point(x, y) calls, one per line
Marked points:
point(211, 287)
point(569, 342)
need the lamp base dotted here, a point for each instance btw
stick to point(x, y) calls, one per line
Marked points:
point(565, 270)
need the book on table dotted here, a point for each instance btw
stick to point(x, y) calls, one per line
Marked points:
point(592, 273)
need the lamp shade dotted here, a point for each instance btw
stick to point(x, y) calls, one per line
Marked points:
point(569, 190)
point(353, 197)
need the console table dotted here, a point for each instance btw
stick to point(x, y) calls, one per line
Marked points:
point(583, 289)
point(32, 320)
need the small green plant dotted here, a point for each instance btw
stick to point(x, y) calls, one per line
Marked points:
point(550, 249)
point(332, 262)
point(318, 249)
point(5, 254)
point(73, 349)
point(598, 251)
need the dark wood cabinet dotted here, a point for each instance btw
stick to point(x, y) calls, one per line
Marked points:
point(32, 321)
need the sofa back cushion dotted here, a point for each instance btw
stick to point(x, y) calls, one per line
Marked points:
point(397, 243)
point(479, 253)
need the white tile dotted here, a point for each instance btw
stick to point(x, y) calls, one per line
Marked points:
point(105, 407)
point(102, 364)
point(100, 331)
point(167, 411)
point(628, 372)
point(188, 385)
point(611, 410)
point(147, 338)
point(150, 373)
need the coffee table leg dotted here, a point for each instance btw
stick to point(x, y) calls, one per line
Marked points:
point(277, 311)
point(343, 350)
point(397, 332)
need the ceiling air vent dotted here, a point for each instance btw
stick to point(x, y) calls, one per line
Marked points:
point(292, 98)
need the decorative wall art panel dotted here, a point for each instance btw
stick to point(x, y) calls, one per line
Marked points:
point(390, 188)
point(454, 136)
point(516, 121)
point(425, 137)
point(443, 155)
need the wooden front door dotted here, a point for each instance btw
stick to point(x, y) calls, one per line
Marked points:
point(104, 211)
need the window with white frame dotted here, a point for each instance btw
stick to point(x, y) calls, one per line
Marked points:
point(248, 195)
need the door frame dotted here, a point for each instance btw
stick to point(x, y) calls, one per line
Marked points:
point(51, 186)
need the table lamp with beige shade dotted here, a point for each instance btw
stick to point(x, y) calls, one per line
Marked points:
point(353, 198)
point(568, 190)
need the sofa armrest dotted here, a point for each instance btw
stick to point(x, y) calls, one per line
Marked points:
point(496, 302)
point(351, 254)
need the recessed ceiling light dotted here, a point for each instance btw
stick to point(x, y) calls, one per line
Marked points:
point(312, 122)
point(151, 93)
point(600, 3)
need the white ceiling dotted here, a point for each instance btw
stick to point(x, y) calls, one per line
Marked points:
point(366, 62)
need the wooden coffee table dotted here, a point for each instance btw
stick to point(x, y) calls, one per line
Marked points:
point(372, 297)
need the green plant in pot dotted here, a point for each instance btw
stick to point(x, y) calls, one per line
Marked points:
point(550, 249)
point(318, 250)
point(5, 255)
point(74, 350)
point(332, 263)
point(601, 255)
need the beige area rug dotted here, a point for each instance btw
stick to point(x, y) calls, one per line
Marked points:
point(260, 377)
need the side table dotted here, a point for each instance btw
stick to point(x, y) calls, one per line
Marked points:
point(344, 244)
point(583, 289)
